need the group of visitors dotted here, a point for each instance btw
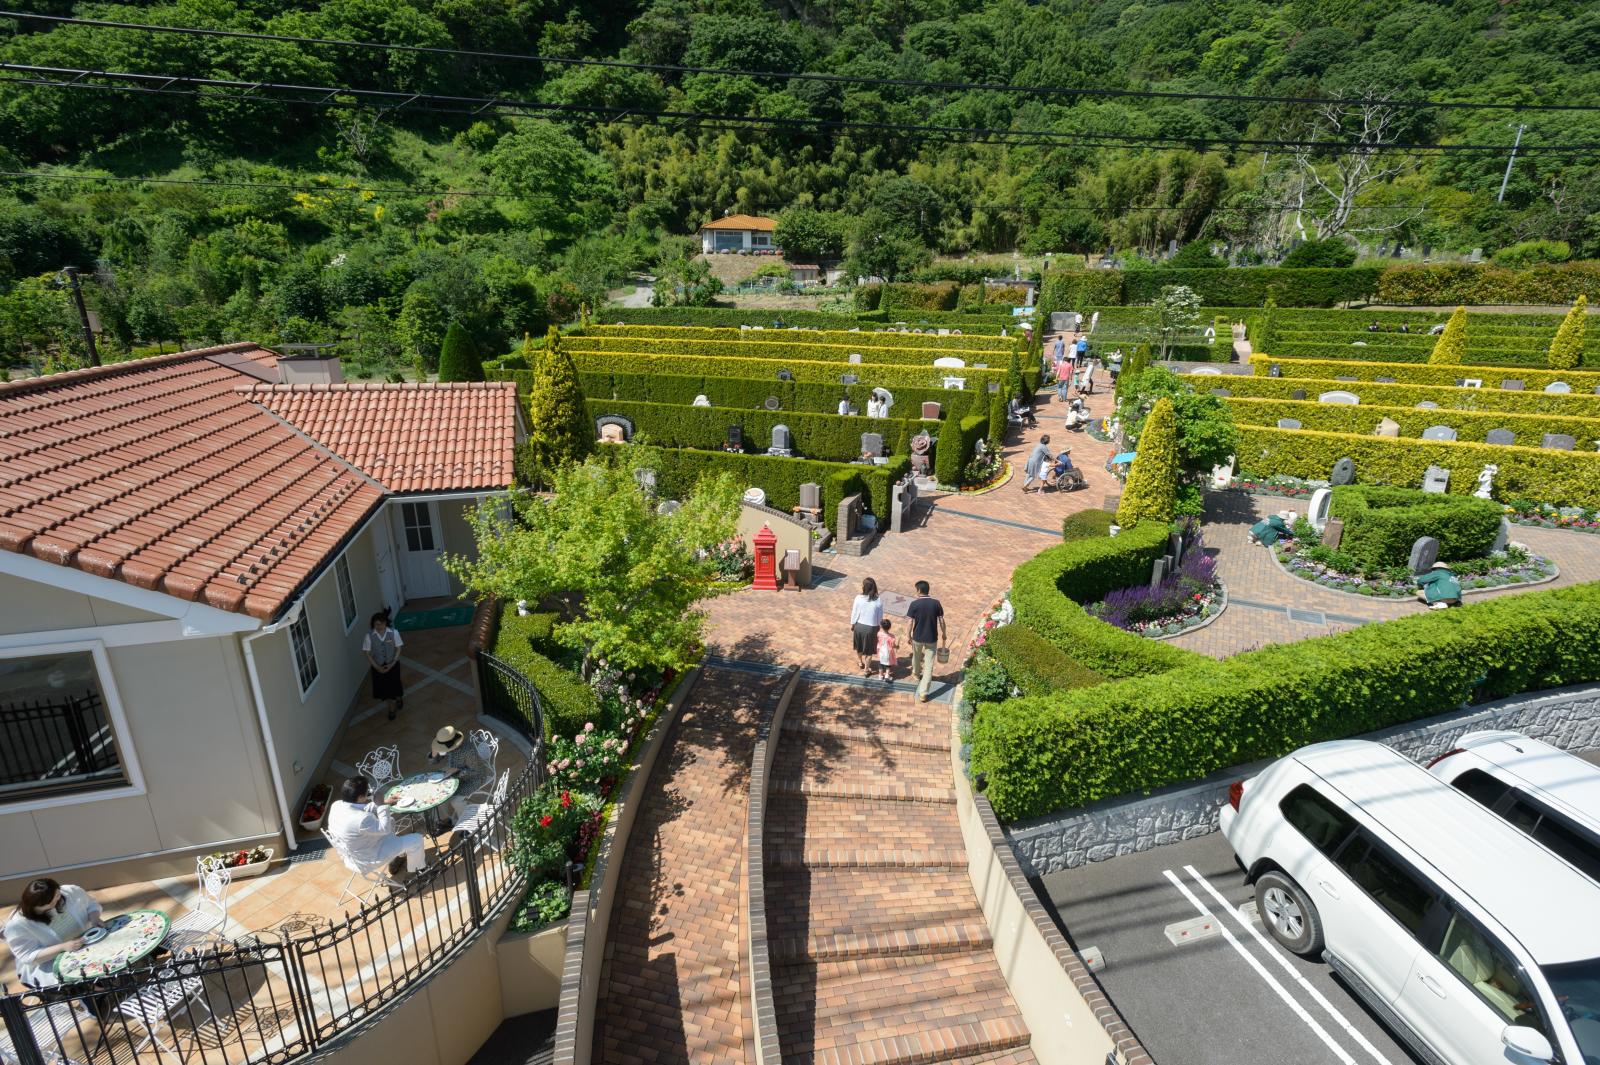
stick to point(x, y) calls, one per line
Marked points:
point(1072, 367)
point(873, 639)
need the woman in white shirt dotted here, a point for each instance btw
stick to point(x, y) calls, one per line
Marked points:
point(866, 615)
point(382, 645)
point(50, 919)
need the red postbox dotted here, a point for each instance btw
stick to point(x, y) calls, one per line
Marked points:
point(766, 545)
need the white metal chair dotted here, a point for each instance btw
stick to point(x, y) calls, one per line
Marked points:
point(202, 925)
point(487, 745)
point(380, 766)
point(375, 873)
point(156, 1002)
point(474, 816)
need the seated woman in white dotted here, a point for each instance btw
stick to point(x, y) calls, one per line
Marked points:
point(364, 829)
point(50, 919)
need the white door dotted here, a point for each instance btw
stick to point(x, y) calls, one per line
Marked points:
point(420, 547)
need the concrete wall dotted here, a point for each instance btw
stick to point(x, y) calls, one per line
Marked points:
point(1568, 718)
point(191, 726)
point(458, 539)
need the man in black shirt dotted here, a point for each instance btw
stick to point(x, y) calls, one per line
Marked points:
point(927, 631)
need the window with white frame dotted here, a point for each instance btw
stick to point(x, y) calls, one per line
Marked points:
point(305, 654)
point(347, 591)
point(58, 729)
point(760, 240)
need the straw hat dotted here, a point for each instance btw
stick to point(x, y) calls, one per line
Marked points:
point(447, 739)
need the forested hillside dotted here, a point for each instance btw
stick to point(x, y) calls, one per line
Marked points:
point(371, 194)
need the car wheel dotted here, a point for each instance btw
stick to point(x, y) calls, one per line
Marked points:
point(1288, 914)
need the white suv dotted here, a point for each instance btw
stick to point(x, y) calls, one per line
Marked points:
point(1551, 795)
point(1477, 945)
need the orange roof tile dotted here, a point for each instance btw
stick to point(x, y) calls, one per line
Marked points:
point(163, 473)
point(409, 437)
point(744, 221)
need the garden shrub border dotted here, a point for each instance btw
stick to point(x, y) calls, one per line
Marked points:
point(805, 370)
point(1034, 664)
point(878, 336)
point(746, 393)
point(828, 437)
point(1381, 522)
point(1449, 397)
point(1471, 426)
point(524, 642)
point(782, 348)
point(1414, 374)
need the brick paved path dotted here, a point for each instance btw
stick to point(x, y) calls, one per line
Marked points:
point(1267, 605)
point(671, 990)
point(879, 951)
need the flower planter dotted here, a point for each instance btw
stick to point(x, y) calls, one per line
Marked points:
point(318, 801)
point(249, 869)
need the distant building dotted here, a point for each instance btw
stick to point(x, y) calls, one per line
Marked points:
point(805, 273)
point(738, 232)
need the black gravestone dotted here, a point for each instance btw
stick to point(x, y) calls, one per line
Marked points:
point(1344, 472)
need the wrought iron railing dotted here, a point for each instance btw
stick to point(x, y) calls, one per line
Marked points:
point(509, 697)
point(278, 996)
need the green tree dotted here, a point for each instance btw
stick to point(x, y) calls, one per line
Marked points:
point(884, 247)
point(421, 325)
point(1177, 308)
point(997, 421)
point(1015, 387)
point(1197, 254)
point(1330, 252)
point(1451, 347)
point(1205, 426)
point(629, 577)
point(1151, 493)
point(1132, 367)
point(1267, 333)
point(1566, 350)
point(560, 186)
point(558, 426)
point(458, 357)
point(947, 454)
point(808, 235)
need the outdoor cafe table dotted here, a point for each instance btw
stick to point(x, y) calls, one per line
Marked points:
point(130, 937)
point(423, 793)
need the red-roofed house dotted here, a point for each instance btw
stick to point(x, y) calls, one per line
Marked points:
point(190, 551)
point(738, 232)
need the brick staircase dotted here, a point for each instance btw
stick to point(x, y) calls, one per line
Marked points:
point(879, 951)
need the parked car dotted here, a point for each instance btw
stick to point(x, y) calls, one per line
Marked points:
point(1474, 943)
point(1551, 795)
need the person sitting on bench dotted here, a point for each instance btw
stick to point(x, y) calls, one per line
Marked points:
point(1021, 414)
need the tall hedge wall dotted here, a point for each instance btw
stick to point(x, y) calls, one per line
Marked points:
point(877, 336)
point(830, 437)
point(1559, 283)
point(1491, 397)
point(743, 393)
point(781, 347)
point(804, 370)
point(1410, 373)
point(1250, 286)
point(1562, 478)
point(1043, 753)
point(1469, 425)
point(1047, 592)
point(1381, 523)
point(1503, 357)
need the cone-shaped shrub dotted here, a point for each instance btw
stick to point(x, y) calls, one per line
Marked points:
point(1152, 489)
point(558, 428)
point(1566, 350)
point(1133, 366)
point(1452, 344)
point(458, 356)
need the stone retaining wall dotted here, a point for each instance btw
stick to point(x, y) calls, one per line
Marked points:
point(1568, 718)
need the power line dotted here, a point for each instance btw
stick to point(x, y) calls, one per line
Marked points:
point(844, 79)
point(24, 175)
point(389, 101)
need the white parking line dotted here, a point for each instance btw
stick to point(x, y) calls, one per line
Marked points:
point(1261, 971)
point(1288, 967)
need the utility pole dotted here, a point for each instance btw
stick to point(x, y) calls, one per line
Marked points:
point(83, 314)
point(1503, 181)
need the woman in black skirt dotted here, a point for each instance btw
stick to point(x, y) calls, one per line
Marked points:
point(382, 645)
point(866, 615)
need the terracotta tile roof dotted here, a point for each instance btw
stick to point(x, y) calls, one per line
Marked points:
point(744, 221)
point(408, 437)
point(163, 473)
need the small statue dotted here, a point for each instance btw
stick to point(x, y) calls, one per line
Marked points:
point(920, 445)
point(1486, 481)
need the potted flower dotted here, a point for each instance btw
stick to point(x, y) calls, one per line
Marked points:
point(243, 864)
point(315, 811)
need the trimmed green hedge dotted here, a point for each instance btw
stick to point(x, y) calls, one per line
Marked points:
point(781, 348)
point(1087, 523)
point(1381, 523)
point(1410, 373)
point(877, 336)
point(1043, 753)
point(1250, 286)
point(569, 702)
point(902, 297)
point(1472, 426)
point(1559, 283)
point(1479, 339)
point(1033, 664)
point(1488, 398)
point(742, 393)
point(829, 437)
point(1561, 478)
point(1300, 318)
point(1049, 589)
point(877, 374)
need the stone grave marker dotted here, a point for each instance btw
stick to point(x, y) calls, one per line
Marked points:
point(1352, 379)
point(1503, 537)
point(1288, 423)
point(782, 442)
point(1221, 392)
point(646, 480)
point(902, 508)
point(957, 383)
point(757, 496)
point(1388, 427)
point(772, 403)
point(1558, 388)
point(1424, 553)
point(920, 444)
point(1158, 570)
point(811, 496)
point(1427, 404)
point(1275, 370)
point(1436, 479)
point(872, 444)
point(1383, 380)
point(1298, 393)
point(735, 438)
point(855, 356)
point(949, 362)
point(994, 386)
point(1339, 396)
point(613, 429)
point(1500, 436)
point(849, 379)
point(932, 411)
point(1333, 533)
point(702, 401)
point(1344, 472)
point(668, 506)
point(1438, 432)
point(1207, 371)
point(1511, 384)
point(1558, 441)
point(1317, 513)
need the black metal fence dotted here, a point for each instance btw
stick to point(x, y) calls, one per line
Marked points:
point(510, 697)
point(55, 745)
point(277, 996)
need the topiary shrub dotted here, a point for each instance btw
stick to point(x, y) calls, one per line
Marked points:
point(1452, 345)
point(1087, 523)
point(1035, 665)
point(1134, 365)
point(568, 701)
point(1152, 488)
point(1381, 523)
point(1567, 347)
point(947, 453)
point(458, 356)
point(559, 430)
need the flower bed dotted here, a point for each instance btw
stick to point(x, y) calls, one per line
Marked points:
point(1277, 485)
point(1544, 516)
point(985, 472)
point(1183, 600)
point(1309, 560)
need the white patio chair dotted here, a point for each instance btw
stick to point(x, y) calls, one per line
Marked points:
point(486, 745)
point(380, 766)
point(202, 925)
point(375, 873)
point(475, 816)
point(170, 992)
point(51, 1026)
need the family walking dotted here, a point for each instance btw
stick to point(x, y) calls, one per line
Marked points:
point(872, 636)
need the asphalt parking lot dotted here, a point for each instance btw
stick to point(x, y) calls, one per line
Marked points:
point(1225, 993)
